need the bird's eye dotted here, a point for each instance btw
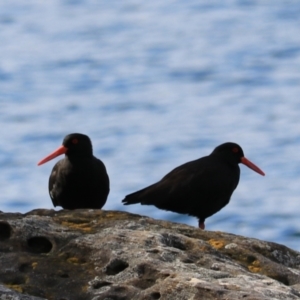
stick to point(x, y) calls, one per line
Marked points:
point(235, 150)
point(75, 141)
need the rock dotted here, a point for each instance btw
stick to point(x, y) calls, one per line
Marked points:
point(8, 294)
point(94, 254)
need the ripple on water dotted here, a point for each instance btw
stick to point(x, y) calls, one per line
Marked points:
point(155, 85)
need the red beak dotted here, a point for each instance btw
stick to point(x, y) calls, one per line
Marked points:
point(57, 152)
point(252, 166)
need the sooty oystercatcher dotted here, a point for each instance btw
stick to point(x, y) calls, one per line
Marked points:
point(198, 188)
point(79, 180)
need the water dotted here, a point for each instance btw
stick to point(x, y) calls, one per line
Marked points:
point(155, 84)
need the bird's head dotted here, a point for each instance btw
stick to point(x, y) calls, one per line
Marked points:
point(74, 144)
point(234, 153)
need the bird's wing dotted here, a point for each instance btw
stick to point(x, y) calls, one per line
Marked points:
point(52, 186)
point(172, 183)
point(101, 172)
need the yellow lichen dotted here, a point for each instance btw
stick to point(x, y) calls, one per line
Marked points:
point(255, 267)
point(15, 287)
point(256, 263)
point(217, 244)
point(73, 260)
point(79, 226)
point(34, 264)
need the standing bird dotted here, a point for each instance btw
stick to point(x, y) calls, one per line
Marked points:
point(198, 188)
point(79, 180)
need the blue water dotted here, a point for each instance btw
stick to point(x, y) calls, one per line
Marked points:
point(155, 84)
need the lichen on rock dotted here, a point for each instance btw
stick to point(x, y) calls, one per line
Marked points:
point(94, 254)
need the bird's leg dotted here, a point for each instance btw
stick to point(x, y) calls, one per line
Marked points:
point(201, 224)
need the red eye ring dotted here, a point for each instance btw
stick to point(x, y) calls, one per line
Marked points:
point(235, 150)
point(75, 141)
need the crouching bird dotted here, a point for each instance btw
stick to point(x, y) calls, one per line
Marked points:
point(199, 188)
point(79, 180)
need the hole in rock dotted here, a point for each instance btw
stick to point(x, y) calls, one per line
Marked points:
point(100, 284)
point(39, 244)
point(5, 231)
point(25, 267)
point(251, 259)
point(119, 289)
point(147, 276)
point(187, 261)
point(172, 241)
point(116, 266)
point(283, 278)
point(155, 295)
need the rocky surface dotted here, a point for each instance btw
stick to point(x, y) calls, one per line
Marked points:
point(93, 254)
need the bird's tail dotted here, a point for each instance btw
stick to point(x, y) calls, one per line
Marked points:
point(132, 198)
point(140, 196)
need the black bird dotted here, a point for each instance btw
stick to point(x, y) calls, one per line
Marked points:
point(198, 188)
point(79, 180)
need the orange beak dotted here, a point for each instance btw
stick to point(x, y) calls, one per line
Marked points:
point(252, 166)
point(57, 152)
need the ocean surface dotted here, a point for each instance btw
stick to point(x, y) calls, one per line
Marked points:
point(155, 84)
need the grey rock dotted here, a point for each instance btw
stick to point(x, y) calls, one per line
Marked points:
point(9, 294)
point(102, 255)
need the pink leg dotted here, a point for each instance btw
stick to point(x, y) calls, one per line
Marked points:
point(201, 225)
